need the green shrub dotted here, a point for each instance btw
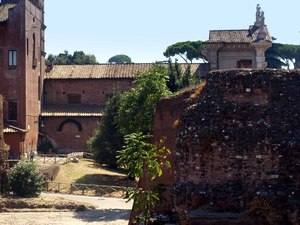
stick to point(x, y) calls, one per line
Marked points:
point(45, 147)
point(25, 180)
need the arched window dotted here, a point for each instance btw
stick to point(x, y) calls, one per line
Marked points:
point(78, 124)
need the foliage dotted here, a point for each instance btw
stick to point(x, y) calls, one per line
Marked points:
point(144, 200)
point(45, 146)
point(107, 139)
point(188, 50)
point(177, 80)
point(78, 57)
point(119, 59)
point(138, 155)
point(25, 180)
point(138, 106)
point(283, 55)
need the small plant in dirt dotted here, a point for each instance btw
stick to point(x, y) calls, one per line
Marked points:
point(25, 179)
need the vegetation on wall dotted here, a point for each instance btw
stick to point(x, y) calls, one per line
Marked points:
point(138, 156)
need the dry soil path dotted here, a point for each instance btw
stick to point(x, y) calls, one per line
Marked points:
point(110, 211)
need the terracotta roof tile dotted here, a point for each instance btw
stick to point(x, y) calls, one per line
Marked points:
point(9, 130)
point(83, 110)
point(101, 71)
point(236, 36)
point(13, 129)
point(4, 11)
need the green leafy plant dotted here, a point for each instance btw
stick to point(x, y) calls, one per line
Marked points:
point(138, 154)
point(140, 157)
point(107, 139)
point(180, 78)
point(25, 180)
point(137, 107)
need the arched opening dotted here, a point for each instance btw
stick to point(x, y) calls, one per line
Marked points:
point(75, 122)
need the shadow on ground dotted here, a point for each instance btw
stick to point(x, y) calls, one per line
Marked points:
point(103, 179)
point(94, 165)
point(101, 215)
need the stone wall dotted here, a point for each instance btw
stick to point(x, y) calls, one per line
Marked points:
point(238, 149)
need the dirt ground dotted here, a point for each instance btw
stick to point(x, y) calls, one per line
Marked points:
point(90, 217)
point(54, 209)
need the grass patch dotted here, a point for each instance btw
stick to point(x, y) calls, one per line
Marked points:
point(87, 172)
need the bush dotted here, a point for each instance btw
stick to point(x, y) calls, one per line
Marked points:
point(45, 146)
point(25, 180)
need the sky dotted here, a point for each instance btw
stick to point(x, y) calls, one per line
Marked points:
point(143, 29)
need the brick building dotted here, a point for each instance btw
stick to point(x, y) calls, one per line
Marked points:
point(74, 99)
point(21, 70)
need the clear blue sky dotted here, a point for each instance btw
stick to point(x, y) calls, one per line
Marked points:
point(142, 29)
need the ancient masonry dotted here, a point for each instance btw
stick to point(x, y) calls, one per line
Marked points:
point(235, 144)
point(238, 148)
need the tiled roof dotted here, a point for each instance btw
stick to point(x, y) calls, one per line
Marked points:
point(101, 71)
point(73, 110)
point(4, 11)
point(13, 129)
point(236, 36)
point(9, 130)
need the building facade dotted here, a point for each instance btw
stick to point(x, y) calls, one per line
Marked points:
point(22, 65)
point(228, 49)
point(75, 96)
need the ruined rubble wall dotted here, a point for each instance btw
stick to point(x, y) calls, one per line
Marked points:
point(240, 141)
point(165, 123)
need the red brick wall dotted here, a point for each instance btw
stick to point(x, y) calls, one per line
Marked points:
point(164, 127)
point(21, 84)
point(92, 91)
point(16, 144)
point(70, 139)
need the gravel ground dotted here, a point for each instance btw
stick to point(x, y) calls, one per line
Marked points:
point(90, 217)
point(109, 211)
